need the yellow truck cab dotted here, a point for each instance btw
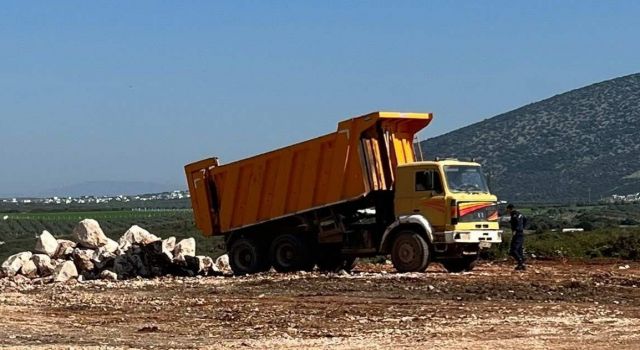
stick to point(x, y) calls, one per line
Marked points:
point(355, 192)
point(453, 198)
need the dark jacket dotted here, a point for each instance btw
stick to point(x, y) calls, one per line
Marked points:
point(517, 221)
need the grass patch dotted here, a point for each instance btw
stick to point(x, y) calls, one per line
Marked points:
point(619, 243)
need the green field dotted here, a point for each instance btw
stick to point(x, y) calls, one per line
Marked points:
point(98, 215)
point(611, 231)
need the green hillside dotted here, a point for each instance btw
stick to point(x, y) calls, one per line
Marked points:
point(580, 145)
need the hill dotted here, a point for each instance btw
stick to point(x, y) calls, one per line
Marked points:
point(574, 147)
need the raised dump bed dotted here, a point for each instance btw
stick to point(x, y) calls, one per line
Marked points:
point(361, 156)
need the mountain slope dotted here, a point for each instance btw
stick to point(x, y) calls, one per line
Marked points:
point(581, 144)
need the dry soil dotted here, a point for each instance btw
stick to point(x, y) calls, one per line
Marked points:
point(553, 305)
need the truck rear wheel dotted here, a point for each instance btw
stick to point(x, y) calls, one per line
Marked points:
point(349, 263)
point(410, 252)
point(246, 256)
point(460, 264)
point(290, 252)
point(331, 259)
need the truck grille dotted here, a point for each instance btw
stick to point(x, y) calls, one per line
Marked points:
point(477, 211)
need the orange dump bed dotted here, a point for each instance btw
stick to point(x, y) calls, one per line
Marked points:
point(361, 156)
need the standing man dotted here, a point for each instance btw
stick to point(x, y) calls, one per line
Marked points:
point(517, 239)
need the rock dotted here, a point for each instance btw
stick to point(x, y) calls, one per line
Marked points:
point(140, 268)
point(136, 235)
point(65, 271)
point(222, 264)
point(44, 264)
point(89, 234)
point(65, 248)
point(205, 265)
point(157, 257)
point(156, 254)
point(187, 266)
point(168, 245)
point(13, 264)
point(83, 259)
point(111, 246)
point(123, 267)
point(102, 258)
point(20, 279)
point(108, 275)
point(46, 244)
point(29, 269)
point(186, 247)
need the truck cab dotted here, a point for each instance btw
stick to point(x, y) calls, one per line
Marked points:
point(454, 199)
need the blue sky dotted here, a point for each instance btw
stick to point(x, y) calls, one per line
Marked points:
point(133, 90)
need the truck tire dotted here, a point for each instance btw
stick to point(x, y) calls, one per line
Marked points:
point(331, 259)
point(247, 256)
point(290, 252)
point(459, 264)
point(349, 263)
point(410, 252)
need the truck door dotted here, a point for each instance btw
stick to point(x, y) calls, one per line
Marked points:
point(428, 197)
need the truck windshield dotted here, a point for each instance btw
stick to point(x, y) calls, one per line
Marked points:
point(465, 178)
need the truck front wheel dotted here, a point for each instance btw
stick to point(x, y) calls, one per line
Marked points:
point(410, 252)
point(247, 256)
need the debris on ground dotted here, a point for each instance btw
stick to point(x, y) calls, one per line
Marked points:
point(552, 305)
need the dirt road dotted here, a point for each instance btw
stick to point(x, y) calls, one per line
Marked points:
point(552, 305)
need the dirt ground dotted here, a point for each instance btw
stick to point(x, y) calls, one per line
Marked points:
point(553, 305)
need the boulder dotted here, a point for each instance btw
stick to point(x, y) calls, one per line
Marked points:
point(102, 258)
point(44, 264)
point(136, 235)
point(140, 267)
point(89, 234)
point(186, 247)
point(222, 264)
point(108, 275)
point(168, 245)
point(156, 258)
point(65, 271)
point(160, 252)
point(46, 244)
point(123, 267)
point(83, 259)
point(111, 246)
point(65, 248)
point(205, 265)
point(29, 269)
point(188, 266)
point(13, 264)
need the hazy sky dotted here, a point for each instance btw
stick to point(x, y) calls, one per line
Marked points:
point(133, 90)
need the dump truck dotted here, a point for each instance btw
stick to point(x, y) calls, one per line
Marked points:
point(356, 192)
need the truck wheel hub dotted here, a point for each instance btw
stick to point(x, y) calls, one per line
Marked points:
point(407, 253)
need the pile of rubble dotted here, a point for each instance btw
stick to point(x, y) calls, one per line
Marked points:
point(94, 256)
